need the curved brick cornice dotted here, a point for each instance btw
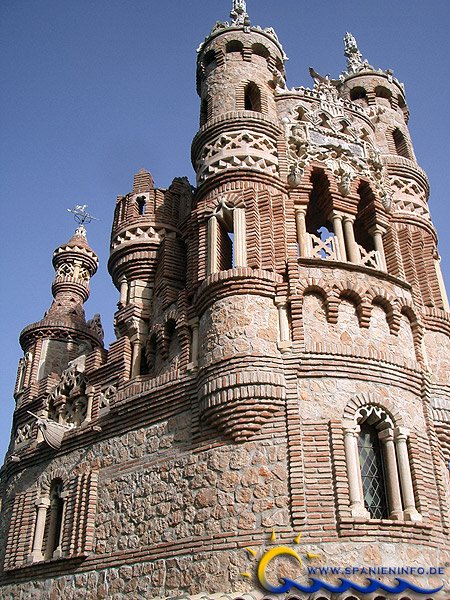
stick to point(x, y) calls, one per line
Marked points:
point(238, 180)
point(435, 319)
point(399, 165)
point(235, 282)
point(65, 283)
point(238, 400)
point(57, 329)
point(138, 259)
point(234, 121)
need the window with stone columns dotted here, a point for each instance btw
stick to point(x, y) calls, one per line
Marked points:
point(52, 520)
point(378, 467)
point(368, 234)
point(227, 246)
point(321, 241)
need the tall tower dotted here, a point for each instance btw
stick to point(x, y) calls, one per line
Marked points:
point(281, 364)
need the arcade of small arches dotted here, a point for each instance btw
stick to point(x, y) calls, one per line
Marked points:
point(371, 95)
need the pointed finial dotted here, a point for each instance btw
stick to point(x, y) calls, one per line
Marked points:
point(355, 61)
point(239, 13)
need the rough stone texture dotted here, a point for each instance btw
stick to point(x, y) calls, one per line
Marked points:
point(245, 325)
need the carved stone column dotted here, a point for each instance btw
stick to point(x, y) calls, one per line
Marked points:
point(42, 506)
point(193, 364)
point(302, 235)
point(58, 551)
point(240, 242)
point(90, 391)
point(136, 358)
point(336, 219)
point(76, 269)
point(123, 292)
point(212, 258)
point(357, 507)
point(353, 253)
point(410, 511)
point(284, 342)
point(437, 266)
point(386, 438)
point(377, 232)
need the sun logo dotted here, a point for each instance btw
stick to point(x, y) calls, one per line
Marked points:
point(269, 555)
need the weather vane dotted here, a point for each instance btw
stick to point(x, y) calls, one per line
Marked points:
point(81, 215)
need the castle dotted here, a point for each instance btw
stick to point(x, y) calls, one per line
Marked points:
point(281, 364)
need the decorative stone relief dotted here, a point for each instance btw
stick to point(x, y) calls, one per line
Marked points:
point(147, 234)
point(96, 325)
point(409, 197)
point(67, 403)
point(243, 149)
point(104, 399)
point(23, 434)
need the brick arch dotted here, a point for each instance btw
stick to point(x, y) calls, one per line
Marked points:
point(372, 399)
point(417, 327)
point(345, 290)
point(46, 480)
point(379, 297)
point(319, 291)
point(240, 96)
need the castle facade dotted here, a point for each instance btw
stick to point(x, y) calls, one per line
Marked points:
point(281, 367)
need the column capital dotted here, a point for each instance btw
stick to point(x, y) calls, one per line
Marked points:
point(302, 208)
point(280, 301)
point(351, 428)
point(401, 433)
point(346, 218)
point(336, 214)
point(377, 228)
point(43, 502)
point(386, 435)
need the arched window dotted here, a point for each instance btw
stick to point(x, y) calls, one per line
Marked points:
point(209, 59)
point(227, 247)
point(143, 367)
point(152, 356)
point(372, 472)
point(252, 97)
point(54, 521)
point(173, 347)
point(402, 106)
point(140, 201)
point(203, 112)
point(378, 467)
point(359, 95)
point(383, 95)
point(234, 46)
point(401, 145)
point(260, 50)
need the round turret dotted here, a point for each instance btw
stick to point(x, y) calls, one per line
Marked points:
point(63, 333)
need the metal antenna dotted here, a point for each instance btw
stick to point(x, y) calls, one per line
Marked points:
point(80, 214)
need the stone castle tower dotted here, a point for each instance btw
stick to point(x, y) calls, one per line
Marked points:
point(281, 364)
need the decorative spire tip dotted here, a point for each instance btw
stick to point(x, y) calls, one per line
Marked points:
point(239, 13)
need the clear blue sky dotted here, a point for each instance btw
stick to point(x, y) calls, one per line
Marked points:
point(93, 90)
